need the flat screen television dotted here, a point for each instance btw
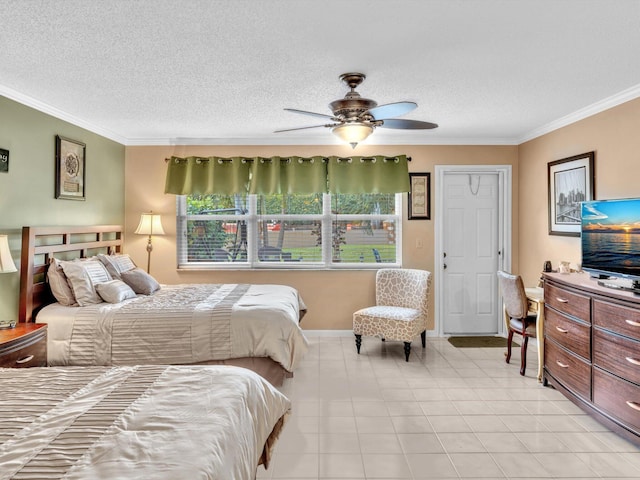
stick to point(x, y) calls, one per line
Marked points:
point(610, 233)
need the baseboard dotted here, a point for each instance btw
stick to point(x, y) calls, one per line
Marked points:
point(346, 333)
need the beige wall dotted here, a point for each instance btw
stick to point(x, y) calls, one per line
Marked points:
point(613, 135)
point(27, 190)
point(331, 296)
point(27, 198)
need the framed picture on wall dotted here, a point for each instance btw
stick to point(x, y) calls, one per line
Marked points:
point(70, 169)
point(419, 196)
point(570, 181)
point(4, 160)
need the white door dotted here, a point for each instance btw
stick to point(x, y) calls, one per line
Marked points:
point(471, 253)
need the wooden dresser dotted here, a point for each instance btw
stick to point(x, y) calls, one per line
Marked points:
point(592, 348)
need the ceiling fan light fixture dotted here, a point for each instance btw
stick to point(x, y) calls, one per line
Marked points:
point(352, 133)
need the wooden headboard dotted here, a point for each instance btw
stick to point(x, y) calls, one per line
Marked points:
point(40, 244)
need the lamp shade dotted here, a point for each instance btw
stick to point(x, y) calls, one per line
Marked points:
point(352, 133)
point(150, 224)
point(6, 261)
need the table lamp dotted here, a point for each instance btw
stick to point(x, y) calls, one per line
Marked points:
point(150, 224)
point(6, 266)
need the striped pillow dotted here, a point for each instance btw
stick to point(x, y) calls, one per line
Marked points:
point(116, 264)
point(83, 277)
point(115, 291)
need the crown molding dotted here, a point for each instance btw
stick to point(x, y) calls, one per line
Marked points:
point(597, 107)
point(380, 139)
point(59, 114)
point(329, 140)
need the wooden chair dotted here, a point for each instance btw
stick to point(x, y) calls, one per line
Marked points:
point(401, 308)
point(517, 318)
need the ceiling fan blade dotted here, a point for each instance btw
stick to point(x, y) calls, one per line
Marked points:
point(391, 110)
point(403, 124)
point(313, 114)
point(303, 128)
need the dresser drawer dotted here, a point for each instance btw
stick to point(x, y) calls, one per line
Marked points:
point(616, 354)
point(617, 318)
point(570, 370)
point(572, 335)
point(29, 350)
point(568, 302)
point(617, 397)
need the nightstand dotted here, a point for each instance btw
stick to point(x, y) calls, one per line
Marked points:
point(24, 346)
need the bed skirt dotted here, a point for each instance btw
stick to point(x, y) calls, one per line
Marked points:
point(268, 369)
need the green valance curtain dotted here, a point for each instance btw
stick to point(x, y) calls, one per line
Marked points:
point(287, 175)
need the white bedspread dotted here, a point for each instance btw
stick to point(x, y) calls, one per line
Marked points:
point(144, 422)
point(180, 324)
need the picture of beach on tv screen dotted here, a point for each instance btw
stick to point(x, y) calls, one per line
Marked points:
point(611, 236)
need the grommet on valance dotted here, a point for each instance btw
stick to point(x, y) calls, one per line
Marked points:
point(176, 160)
point(368, 159)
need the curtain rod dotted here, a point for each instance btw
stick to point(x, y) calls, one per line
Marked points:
point(250, 159)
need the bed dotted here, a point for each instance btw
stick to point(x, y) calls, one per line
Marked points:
point(253, 326)
point(137, 422)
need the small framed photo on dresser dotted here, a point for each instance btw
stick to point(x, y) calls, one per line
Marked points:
point(70, 169)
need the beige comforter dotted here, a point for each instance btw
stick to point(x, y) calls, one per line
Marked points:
point(144, 422)
point(181, 324)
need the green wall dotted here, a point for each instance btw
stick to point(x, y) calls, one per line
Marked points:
point(27, 191)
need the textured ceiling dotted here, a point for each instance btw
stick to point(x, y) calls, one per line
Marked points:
point(221, 72)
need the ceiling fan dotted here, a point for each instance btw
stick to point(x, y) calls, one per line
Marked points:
point(355, 118)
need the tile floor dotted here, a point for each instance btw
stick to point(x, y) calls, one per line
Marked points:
point(448, 413)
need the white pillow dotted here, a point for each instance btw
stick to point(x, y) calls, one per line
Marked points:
point(116, 264)
point(140, 281)
point(115, 291)
point(60, 288)
point(83, 277)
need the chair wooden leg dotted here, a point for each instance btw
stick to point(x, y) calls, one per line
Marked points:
point(509, 340)
point(523, 354)
point(407, 350)
point(423, 336)
point(358, 342)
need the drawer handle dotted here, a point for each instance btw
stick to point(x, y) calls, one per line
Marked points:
point(25, 359)
point(563, 365)
point(633, 405)
point(632, 323)
point(562, 300)
point(562, 330)
point(633, 361)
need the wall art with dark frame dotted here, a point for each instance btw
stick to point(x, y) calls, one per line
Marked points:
point(570, 181)
point(419, 196)
point(4, 160)
point(70, 169)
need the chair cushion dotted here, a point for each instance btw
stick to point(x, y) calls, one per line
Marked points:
point(391, 323)
point(516, 324)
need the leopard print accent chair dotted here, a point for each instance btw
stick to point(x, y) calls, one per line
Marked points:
point(400, 313)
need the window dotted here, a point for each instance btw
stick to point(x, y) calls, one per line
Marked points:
point(289, 231)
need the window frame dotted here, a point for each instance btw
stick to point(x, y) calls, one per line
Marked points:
point(327, 218)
